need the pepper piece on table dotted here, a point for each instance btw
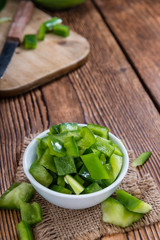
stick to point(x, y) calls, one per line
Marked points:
point(75, 185)
point(51, 23)
point(41, 32)
point(71, 147)
point(61, 30)
point(40, 174)
point(65, 165)
point(17, 193)
point(143, 157)
point(132, 203)
point(99, 130)
point(94, 166)
point(31, 213)
point(30, 41)
point(24, 231)
point(115, 213)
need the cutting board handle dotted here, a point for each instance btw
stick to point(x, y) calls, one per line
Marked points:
point(22, 17)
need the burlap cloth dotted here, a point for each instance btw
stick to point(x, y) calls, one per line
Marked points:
point(64, 224)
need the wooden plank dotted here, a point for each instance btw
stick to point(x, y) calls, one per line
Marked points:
point(31, 68)
point(136, 25)
point(105, 91)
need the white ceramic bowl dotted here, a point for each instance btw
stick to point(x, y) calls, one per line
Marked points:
point(72, 201)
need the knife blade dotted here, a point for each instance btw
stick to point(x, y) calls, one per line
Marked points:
point(22, 17)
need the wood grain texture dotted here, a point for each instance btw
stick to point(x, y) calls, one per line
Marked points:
point(136, 25)
point(52, 58)
point(105, 91)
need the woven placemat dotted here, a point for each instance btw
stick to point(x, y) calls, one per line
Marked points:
point(65, 224)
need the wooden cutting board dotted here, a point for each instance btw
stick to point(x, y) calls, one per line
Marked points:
point(53, 57)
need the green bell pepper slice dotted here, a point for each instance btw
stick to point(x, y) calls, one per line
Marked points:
point(52, 22)
point(79, 179)
point(41, 32)
point(99, 130)
point(78, 163)
point(54, 129)
point(93, 187)
point(143, 157)
point(56, 147)
point(71, 147)
point(75, 185)
point(94, 166)
point(115, 213)
point(64, 135)
point(103, 158)
point(61, 189)
point(116, 162)
point(30, 41)
point(24, 231)
point(132, 203)
point(117, 150)
point(67, 127)
point(61, 30)
point(85, 174)
point(47, 161)
point(41, 146)
point(40, 174)
point(17, 193)
point(65, 165)
point(31, 213)
point(60, 181)
point(87, 140)
point(103, 146)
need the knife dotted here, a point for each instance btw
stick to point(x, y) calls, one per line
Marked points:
point(22, 17)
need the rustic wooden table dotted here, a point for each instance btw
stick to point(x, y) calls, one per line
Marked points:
point(119, 87)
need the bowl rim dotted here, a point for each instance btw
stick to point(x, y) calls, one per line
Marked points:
point(122, 174)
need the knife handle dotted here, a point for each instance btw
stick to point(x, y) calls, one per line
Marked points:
point(22, 17)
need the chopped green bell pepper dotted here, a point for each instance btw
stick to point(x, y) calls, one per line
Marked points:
point(63, 136)
point(24, 231)
point(41, 146)
point(30, 41)
point(99, 130)
point(52, 22)
point(117, 150)
point(60, 181)
point(93, 187)
point(71, 147)
point(132, 203)
point(56, 147)
point(47, 161)
point(78, 163)
point(75, 185)
point(143, 157)
point(61, 189)
point(41, 32)
point(87, 140)
point(31, 213)
point(54, 129)
point(40, 174)
point(65, 165)
point(85, 174)
point(116, 163)
point(79, 179)
point(103, 158)
point(61, 30)
point(17, 193)
point(115, 213)
point(67, 127)
point(94, 166)
point(103, 146)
